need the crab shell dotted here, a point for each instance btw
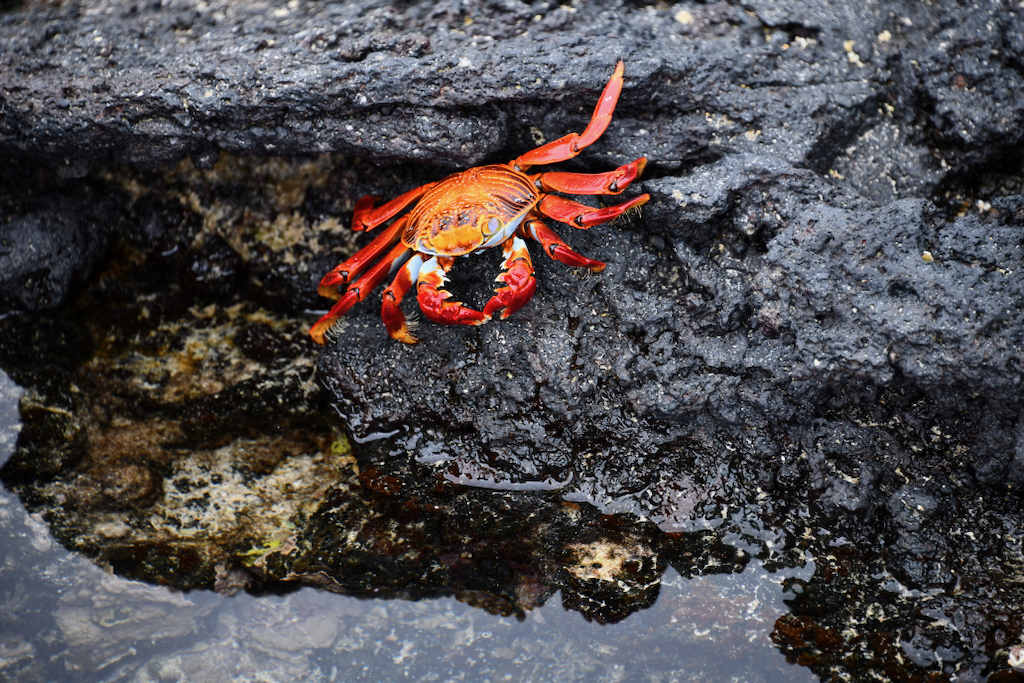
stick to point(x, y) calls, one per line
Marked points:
point(475, 209)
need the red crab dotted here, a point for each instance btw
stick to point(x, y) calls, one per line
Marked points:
point(477, 209)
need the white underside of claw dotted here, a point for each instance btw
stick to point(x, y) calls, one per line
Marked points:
point(412, 267)
point(432, 266)
point(516, 249)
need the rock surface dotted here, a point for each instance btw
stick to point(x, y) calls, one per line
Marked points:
point(817, 321)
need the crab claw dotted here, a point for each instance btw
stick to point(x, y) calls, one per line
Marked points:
point(517, 275)
point(433, 297)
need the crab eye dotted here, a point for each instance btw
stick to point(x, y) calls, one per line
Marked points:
point(493, 226)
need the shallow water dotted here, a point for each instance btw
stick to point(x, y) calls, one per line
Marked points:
point(65, 618)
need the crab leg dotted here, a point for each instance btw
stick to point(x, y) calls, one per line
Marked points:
point(583, 216)
point(394, 319)
point(357, 263)
point(518, 278)
point(612, 182)
point(557, 249)
point(358, 291)
point(365, 217)
point(433, 297)
point(569, 146)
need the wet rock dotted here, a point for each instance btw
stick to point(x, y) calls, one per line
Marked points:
point(872, 300)
point(838, 309)
point(1016, 472)
point(48, 249)
point(611, 570)
point(739, 197)
point(220, 660)
point(851, 466)
point(967, 89)
point(212, 269)
point(416, 84)
point(911, 507)
point(922, 561)
point(188, 439)
point(54, 438)
point(262, 342)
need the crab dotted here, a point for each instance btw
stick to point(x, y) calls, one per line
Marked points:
point(476, 209)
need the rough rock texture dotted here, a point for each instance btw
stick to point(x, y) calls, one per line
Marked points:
point(811, 339)
point(51, 244)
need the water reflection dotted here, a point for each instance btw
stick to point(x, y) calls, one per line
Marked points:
point(105, 628)
point(315, 636)
point(66, 618)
